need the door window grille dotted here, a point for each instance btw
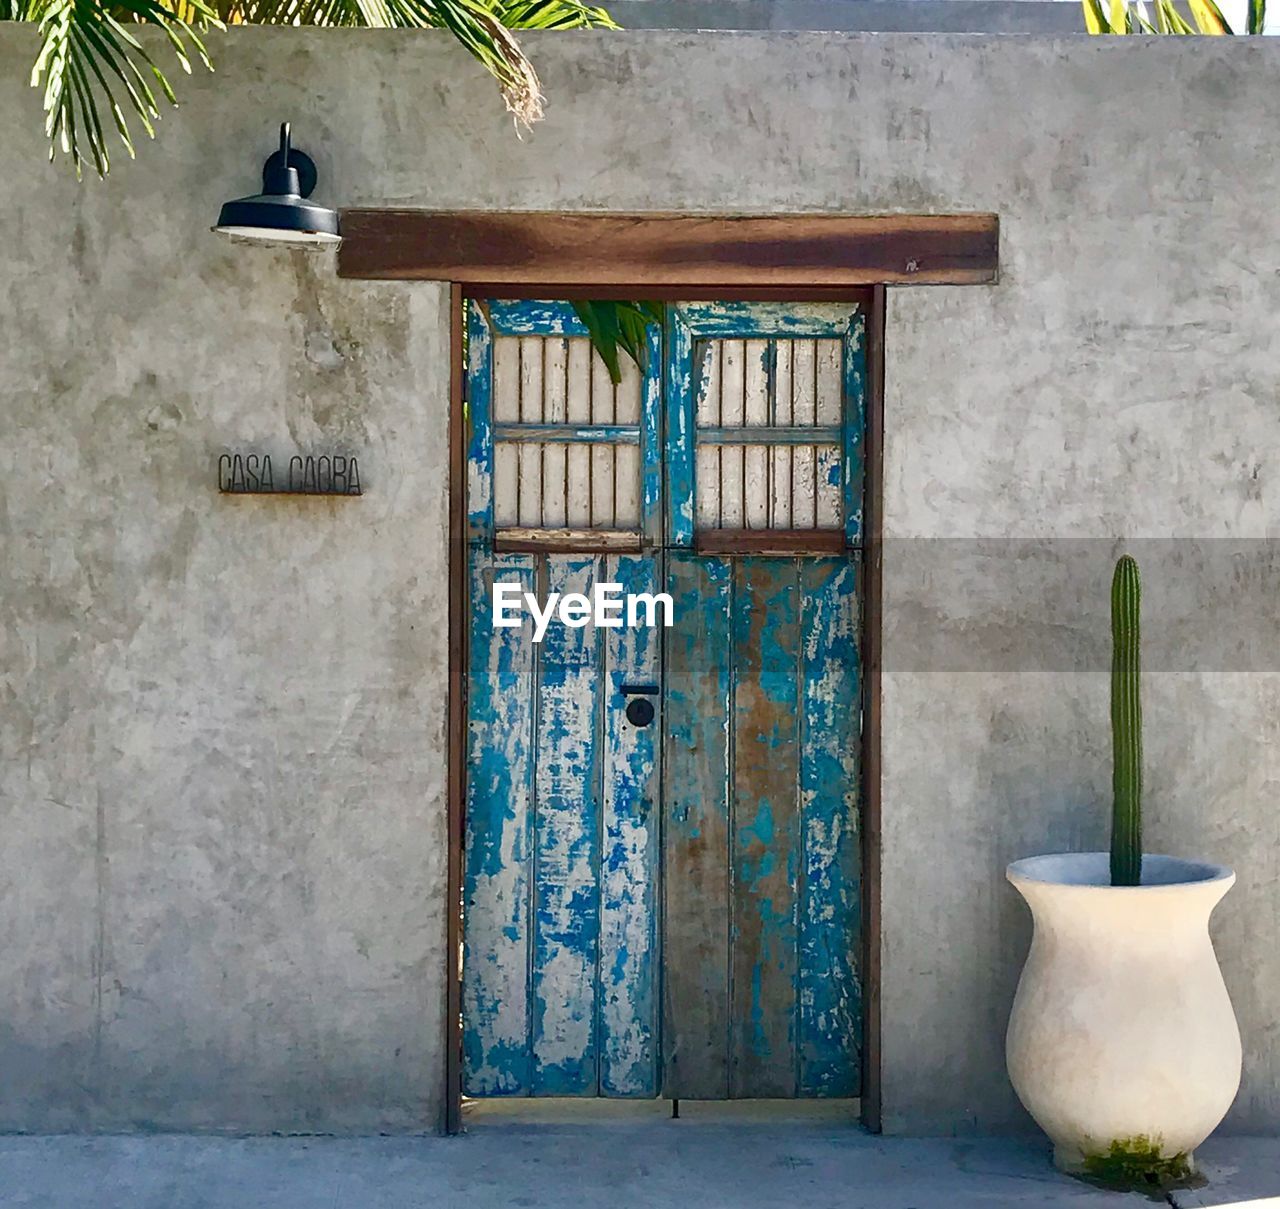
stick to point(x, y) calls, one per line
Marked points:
point(768, 431)
point(566, 451)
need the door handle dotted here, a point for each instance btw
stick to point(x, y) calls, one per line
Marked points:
point(640, 711)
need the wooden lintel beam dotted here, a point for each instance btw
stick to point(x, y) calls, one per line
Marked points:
point(669, 251)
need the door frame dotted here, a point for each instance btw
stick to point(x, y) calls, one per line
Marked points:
point(873, 302)
point(671, 257)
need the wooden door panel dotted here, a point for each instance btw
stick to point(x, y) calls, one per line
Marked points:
point(671, 906)
point(630, 966)
point(761, 853)
point(566, 850)
point(766, 840)
point(696, 915)
point(829, 986)
point(497, 879)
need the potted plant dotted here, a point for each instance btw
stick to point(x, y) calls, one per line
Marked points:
point(1122, 1042)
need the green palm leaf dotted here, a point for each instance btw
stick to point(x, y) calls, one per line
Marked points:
point(89, 59)
point(619, 327)
point(551, 14)
point(1127, 18)
point(1208, 17)
point(90, 63)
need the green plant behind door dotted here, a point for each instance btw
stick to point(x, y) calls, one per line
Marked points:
point(1126, 725)
point(619, 327)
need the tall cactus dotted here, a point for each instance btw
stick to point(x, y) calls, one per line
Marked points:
point(1126, 726)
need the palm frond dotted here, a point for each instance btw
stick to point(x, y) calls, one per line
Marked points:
point(1208, 17)
point(1173, 22)
point(551, 14)
point(89, 59)
point(1095, 19)
point(619, 327)
point(89, 62)
point(1126, 17)
point(482, 26)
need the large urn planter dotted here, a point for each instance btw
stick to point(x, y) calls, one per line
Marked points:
point(1122, 1043)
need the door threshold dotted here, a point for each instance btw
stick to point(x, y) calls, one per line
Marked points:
point(530, 1110)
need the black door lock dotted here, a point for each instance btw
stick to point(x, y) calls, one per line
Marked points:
point(640, 711)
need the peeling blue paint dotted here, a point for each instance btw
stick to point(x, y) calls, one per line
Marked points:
point(830, 913)
point(855, 423)
point(561, 961)
point(496, 883)
point(533, 317)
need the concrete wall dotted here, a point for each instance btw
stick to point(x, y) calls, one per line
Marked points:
point(221, 742)
point(853, 16)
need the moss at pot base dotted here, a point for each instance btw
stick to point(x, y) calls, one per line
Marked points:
point(1134, 1164)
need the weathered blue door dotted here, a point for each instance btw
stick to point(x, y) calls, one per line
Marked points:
point(661, 872)
point(762, 704)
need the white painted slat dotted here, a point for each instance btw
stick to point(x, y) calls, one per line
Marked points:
point(604, 406)
point(757, 459)
point(706, 483)
point(506, 482)
point(828, 494)
point(732, 411)
point(732, 383)
point(627, 393)
point(578, 411)
point(780, 487)
point(578, 404)
point(830, 389)
point(530, 510)
point(804, 396)
point(602, 505)
point(756, 383)
point(627, 486)
point(603, 409)
point(707, 357)
point(830, 384)
point(555, 493)
point(707, 487)
point(626, 458)
point(506, 379)
point(505, 404)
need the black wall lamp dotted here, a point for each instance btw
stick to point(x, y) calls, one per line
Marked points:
point(281, 213)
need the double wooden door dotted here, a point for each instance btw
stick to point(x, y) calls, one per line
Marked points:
point(661, 890)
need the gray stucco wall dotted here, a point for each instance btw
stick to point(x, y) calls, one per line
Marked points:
point(857, 16)
point(221, 736)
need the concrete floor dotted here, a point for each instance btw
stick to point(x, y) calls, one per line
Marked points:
point(650, 1162)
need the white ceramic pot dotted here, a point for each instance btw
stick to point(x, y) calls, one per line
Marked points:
point(1122, 1032)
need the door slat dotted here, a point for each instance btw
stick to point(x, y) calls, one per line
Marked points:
point(566, 915)
point(765, 839)
point(696, 844)
point(496, 878)
point(830, 909)
point(628, 1000)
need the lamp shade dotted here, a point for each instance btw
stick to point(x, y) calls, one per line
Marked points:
point(281, 213)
